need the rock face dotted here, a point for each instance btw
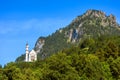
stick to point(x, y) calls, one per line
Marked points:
point(39, 44)
point(93, 23)
point(96, 14)
point(72, 35)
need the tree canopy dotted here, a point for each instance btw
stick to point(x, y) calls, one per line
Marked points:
point(92, 59)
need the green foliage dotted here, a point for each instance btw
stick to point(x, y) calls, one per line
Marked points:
point(94, 56)
point(89, 67)
point(99, 59)
point(2, 75)
point(75, 63)
point(62, 69)
point(20, 58)
point(115, 68)
point(57, 39)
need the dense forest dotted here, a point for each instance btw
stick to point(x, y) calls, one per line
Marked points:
point(92, 59)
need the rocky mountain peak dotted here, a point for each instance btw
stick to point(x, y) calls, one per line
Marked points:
point(92, 22)
point(112, 19)
point(92, 16)
point(95, 13)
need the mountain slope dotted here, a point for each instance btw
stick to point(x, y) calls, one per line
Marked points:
point(92, 24)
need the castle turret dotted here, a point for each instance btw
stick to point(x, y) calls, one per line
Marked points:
point(27, 53)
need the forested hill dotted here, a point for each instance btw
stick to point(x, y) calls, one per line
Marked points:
point(92, 59)
point(87, 49)
point(91, 24)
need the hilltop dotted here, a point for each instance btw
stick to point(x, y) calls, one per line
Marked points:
point(91, 24)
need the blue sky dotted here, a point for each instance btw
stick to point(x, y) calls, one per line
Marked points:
point(24, 21)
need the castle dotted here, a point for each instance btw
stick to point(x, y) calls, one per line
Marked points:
point(30, 55)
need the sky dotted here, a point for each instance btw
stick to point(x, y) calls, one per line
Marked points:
point(23, 21)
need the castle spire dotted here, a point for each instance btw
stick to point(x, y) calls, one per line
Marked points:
point(27, 52)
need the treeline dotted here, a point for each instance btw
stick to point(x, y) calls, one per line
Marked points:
point(92, 59)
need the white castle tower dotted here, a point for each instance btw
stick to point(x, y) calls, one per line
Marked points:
point(30, 56)
point(27, 52)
